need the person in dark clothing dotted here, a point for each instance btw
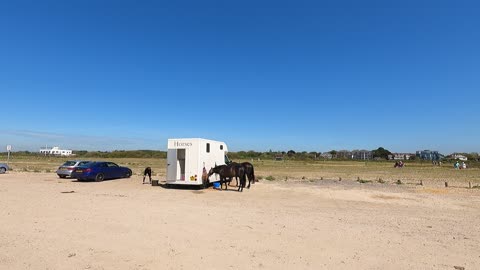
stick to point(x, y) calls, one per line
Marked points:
point(148, 171)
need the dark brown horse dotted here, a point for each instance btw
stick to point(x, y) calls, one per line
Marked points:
point(249, 172)
point(220, 171)
point(227, 172)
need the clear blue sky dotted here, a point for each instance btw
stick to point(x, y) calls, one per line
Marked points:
point(259, 75)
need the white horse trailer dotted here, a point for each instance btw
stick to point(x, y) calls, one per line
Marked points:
point(189, 160)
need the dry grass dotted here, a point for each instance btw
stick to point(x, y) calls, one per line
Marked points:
point(51, 164)
point(367, 171)
point(295, 170)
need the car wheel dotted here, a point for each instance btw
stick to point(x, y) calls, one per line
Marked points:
point(62, 176)
point(128, 174)
point(3, 170)
point(99, 177)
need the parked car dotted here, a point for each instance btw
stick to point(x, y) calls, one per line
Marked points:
point(67, 168)
point(3, 168)
point(99, 171)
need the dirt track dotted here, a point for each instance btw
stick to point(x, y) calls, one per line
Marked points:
point(48, 223)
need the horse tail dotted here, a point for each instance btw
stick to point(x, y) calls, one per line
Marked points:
point(253, 174)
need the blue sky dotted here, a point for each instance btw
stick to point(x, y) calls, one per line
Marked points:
point(259, 75)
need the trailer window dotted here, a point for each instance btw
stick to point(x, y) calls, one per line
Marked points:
point(221, 147)
point(208, 148)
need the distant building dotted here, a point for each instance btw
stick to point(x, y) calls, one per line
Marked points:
point(326, 155)
point(362, 154)
point(344, 154)
point(458, 156)
point(429, 155)
point(279, 157)
point(400, 156)
point(55, 151)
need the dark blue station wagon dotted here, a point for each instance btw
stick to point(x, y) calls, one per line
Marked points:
point(100, 171)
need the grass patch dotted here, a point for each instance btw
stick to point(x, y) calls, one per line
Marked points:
point(326, 169)
point(270, 178)
point(362, 181)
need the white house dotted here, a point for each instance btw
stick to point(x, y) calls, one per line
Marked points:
point(459, 157)
point(400, 156)
point(188, 160)
point(55, 151)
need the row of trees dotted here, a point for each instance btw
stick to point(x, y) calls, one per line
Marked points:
point(104, 154)
point(122, 154)
point(379, 153)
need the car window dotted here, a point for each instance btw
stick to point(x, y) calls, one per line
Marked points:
point(111, 164)
point(69, 163)
point(83, 163)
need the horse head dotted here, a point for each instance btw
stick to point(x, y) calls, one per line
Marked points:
point(210, 172)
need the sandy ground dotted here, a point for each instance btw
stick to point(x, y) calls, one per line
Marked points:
point(48, 223)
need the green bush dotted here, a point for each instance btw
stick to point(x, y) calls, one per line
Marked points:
point(362, 181)
point(270, 178)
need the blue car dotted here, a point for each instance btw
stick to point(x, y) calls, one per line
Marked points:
point(100, 171)
point(67, 168)
point(4, 167)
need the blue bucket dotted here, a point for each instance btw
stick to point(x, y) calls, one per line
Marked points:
point(216, 184)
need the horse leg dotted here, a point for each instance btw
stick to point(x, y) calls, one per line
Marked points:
point(242, 183)
point(240, 186)
point(222, 182)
